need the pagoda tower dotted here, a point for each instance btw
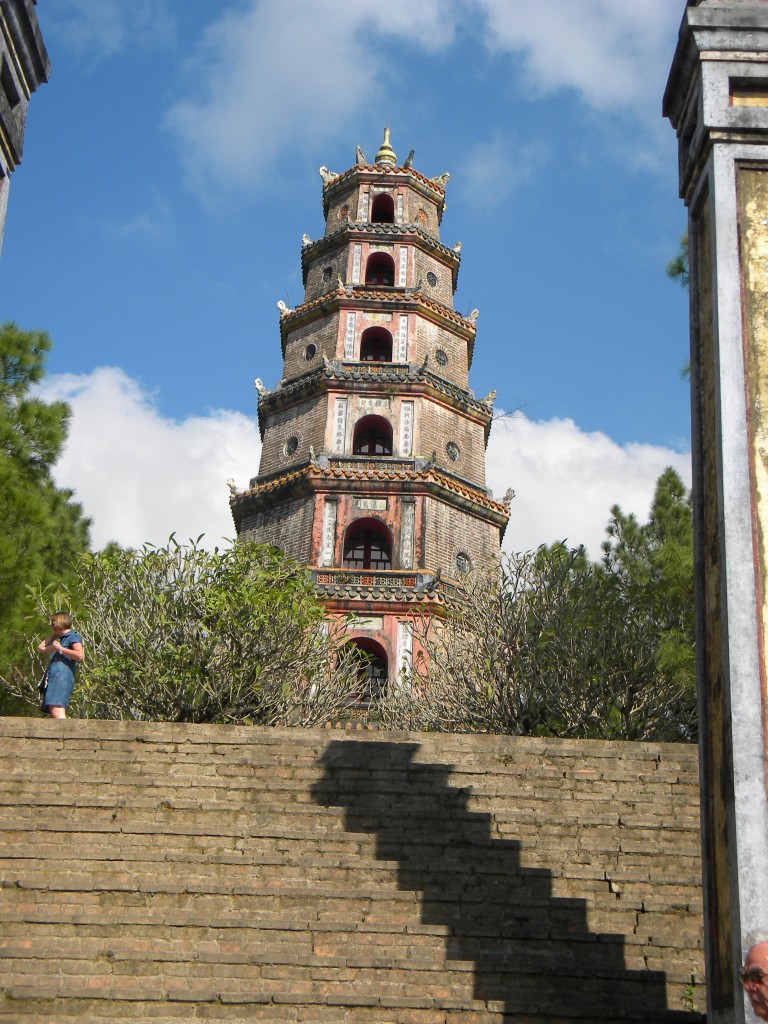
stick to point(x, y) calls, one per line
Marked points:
point(373, 446)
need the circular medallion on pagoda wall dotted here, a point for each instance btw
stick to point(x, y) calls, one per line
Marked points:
point(310, 352)
point(343, 212)
point(463, 562)
point(327, 273)
point(291, 445)
point(431, 279)
point(441, 356)
point(452, 450)
point(421, 216)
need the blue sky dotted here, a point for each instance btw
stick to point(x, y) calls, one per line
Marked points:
point(170, 170)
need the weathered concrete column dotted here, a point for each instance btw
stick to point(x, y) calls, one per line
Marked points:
point(717, 101)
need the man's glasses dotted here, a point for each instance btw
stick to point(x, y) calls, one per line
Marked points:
point(752, 976)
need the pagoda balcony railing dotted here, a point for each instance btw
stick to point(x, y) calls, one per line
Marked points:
point(388, 578)
point(412, 584)
point(388, 462)
point(375, 366)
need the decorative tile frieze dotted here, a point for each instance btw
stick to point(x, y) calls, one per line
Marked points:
point(343, 577)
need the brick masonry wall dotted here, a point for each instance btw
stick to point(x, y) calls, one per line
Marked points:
point(268, 526)
point(449, 531)
point(430, 338)
point(324, 271)
point(421, 210)
point(305, 421)
point(345, 204)
point(323, 333)
point(171, 872)
point(424, 263)
point(438, 426)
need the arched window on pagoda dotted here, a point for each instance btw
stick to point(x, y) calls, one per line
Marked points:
point(368, 545)
point(376, 345)
point(383, 209)
point(373, 436)
point(380, 269)
point(373, 671)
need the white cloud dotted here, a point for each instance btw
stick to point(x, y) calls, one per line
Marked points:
point(141, 476)
point(97, 29)
point(493, 169)
point(566, 480)
point(269, 76)
point(616, 53)
point(150, 225)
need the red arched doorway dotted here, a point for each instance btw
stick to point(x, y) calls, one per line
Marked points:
point(373, 672)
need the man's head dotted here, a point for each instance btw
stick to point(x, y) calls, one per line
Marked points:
point(754, 974)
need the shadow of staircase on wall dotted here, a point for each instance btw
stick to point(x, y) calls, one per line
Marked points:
point(158, 872)
point(532, 954)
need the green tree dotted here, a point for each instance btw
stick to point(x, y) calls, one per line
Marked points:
point(654, 563)
point(182, 634)
point(549, 643)
point(44, 530)
point(678, 270)
point(677, 267)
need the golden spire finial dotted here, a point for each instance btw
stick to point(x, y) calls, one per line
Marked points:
point(386, 154)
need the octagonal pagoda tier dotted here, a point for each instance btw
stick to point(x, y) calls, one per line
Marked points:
point(372, 467)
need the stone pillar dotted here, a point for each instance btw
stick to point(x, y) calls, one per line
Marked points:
point(717, 101)
point(25, 66)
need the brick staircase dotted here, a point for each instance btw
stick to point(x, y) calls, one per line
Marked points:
point(169, 873)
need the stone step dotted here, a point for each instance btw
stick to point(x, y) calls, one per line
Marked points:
point(165, 817)
point(608, 804)
point(245, 1008)
point(295, 849)
point(314, 944)
point(258, 754)
point(274, 1006)
point(529, 886)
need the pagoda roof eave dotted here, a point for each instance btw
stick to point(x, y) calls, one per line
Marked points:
point(365, 297)
point(314, 476)
point(381, 174)
point(401, 375)
point(354, 230)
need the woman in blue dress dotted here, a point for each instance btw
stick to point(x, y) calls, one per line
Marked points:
point(65, 646)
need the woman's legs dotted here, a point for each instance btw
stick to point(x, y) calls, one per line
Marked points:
point(57, 711)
